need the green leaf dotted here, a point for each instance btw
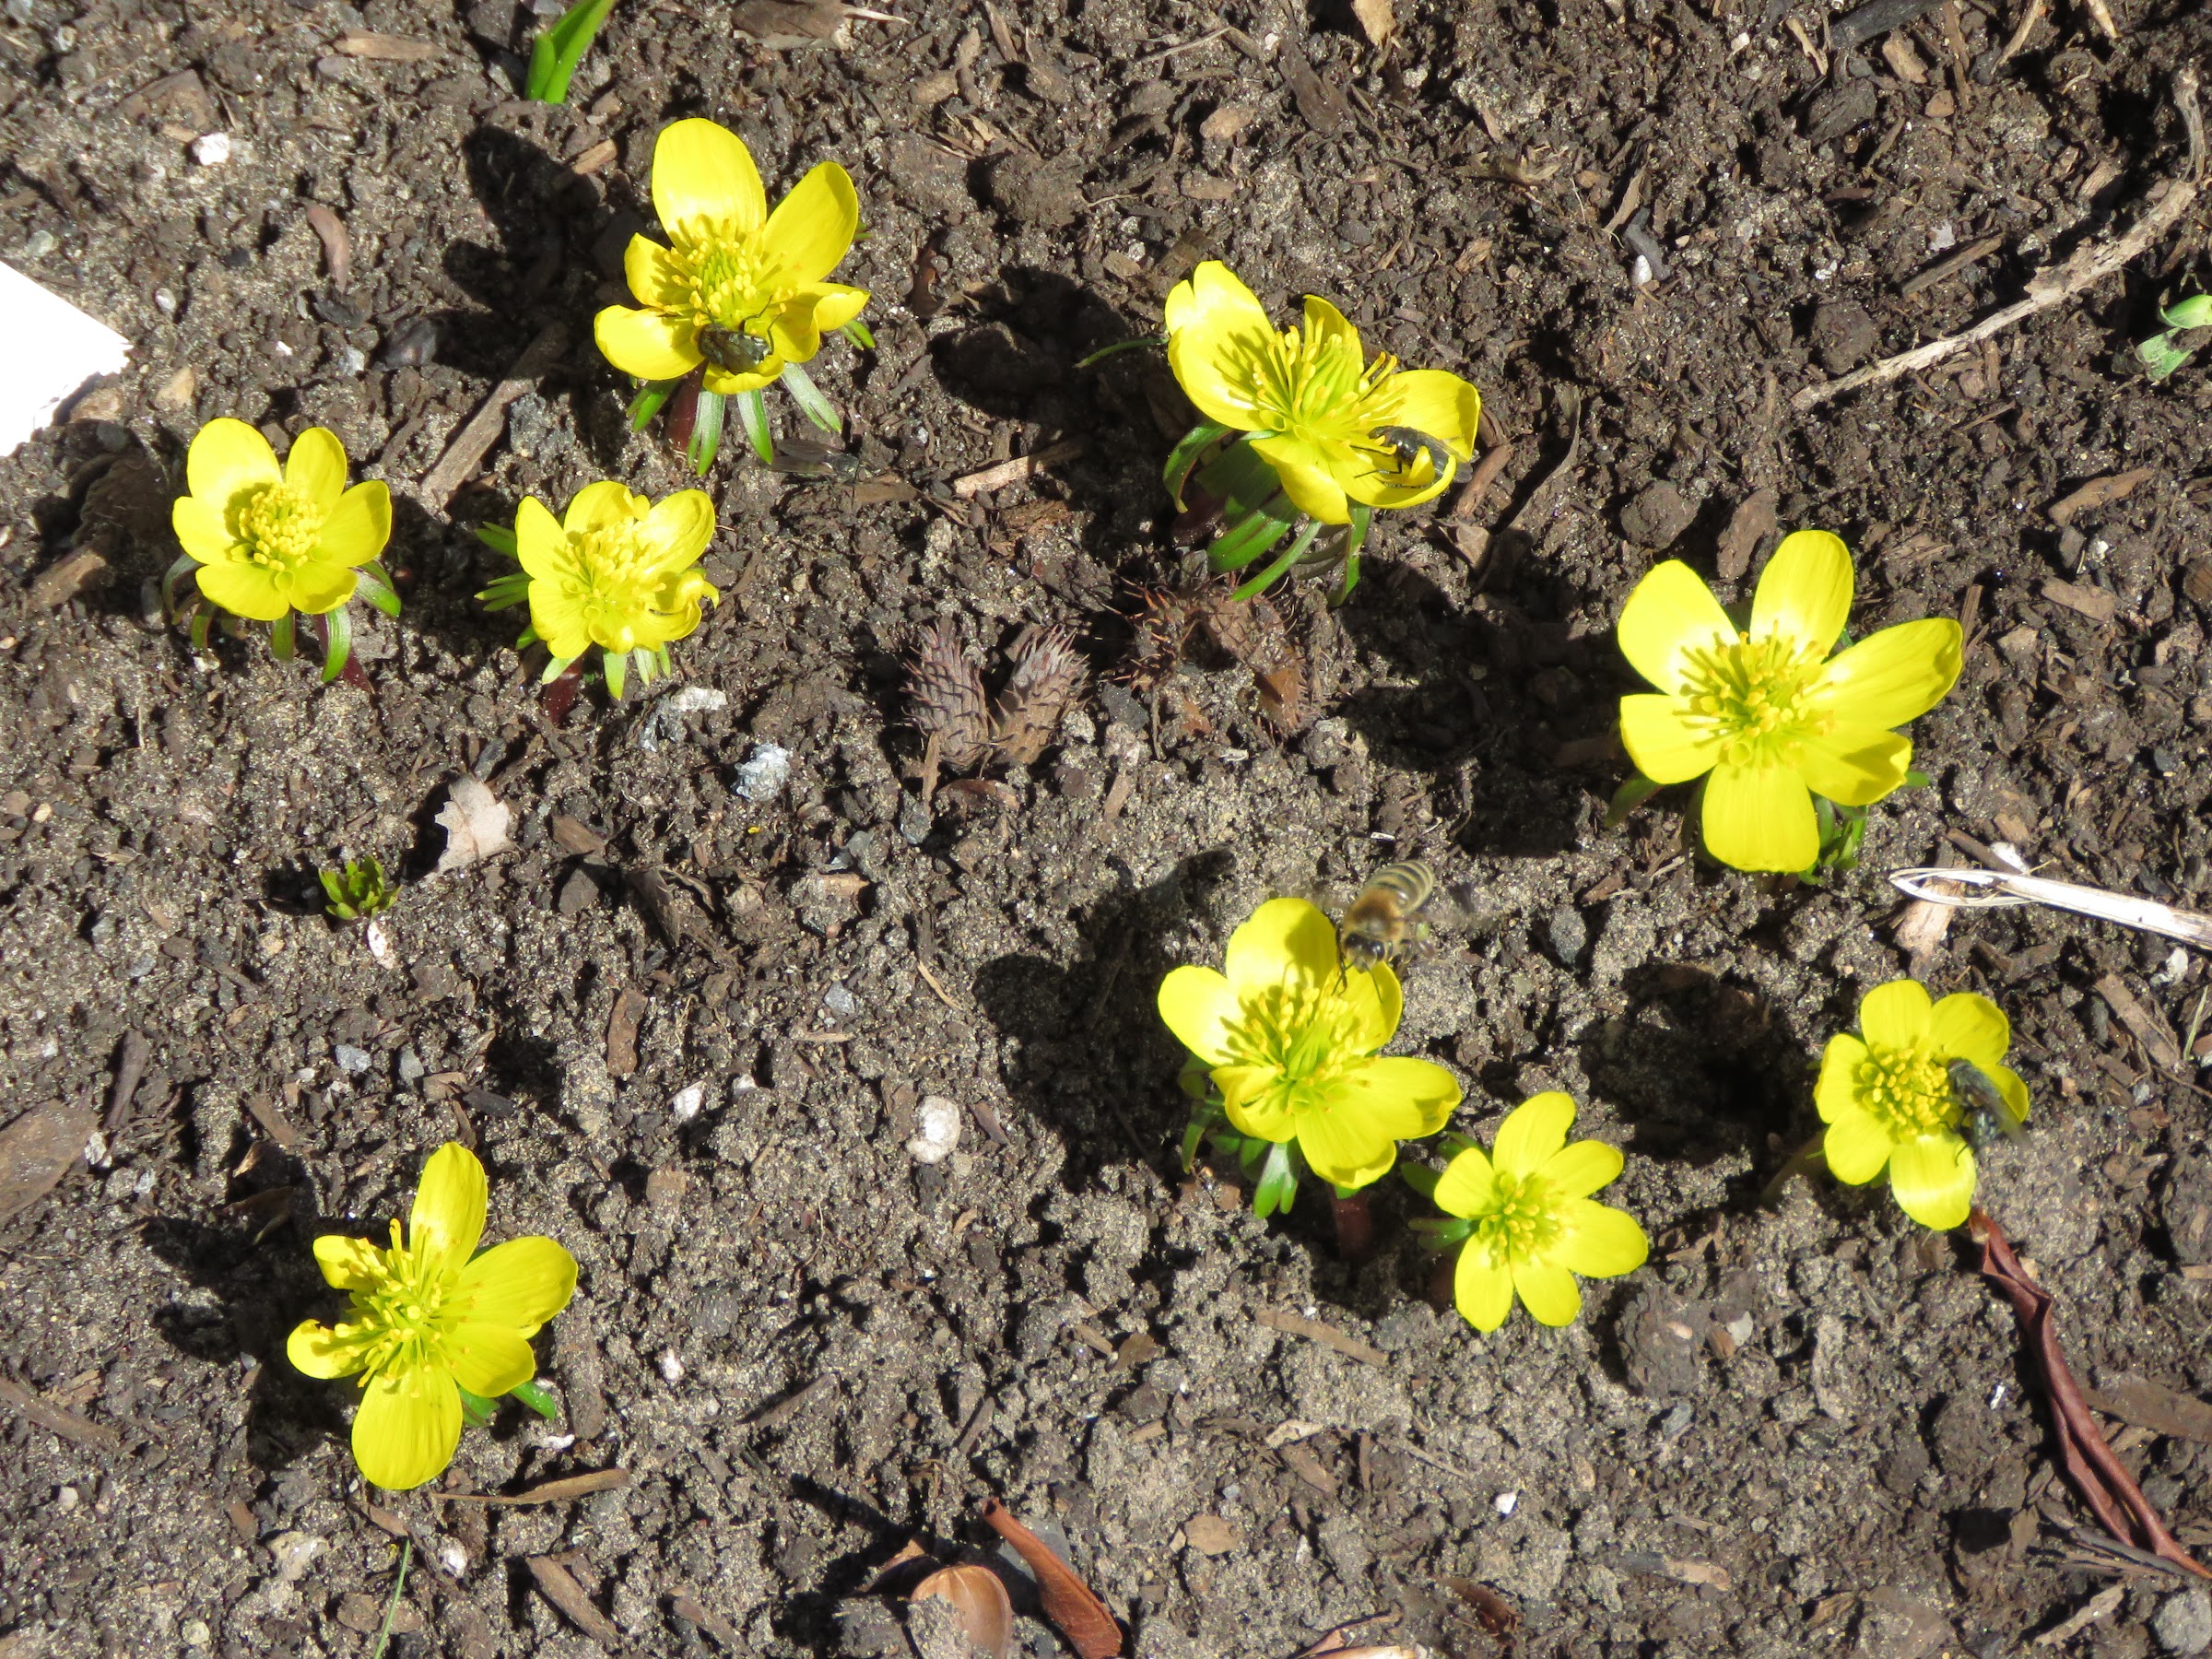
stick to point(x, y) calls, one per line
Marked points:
point(476, 1410)
point(615, 662)
point(560, 47)
point(1103, 352)
point(1278, 1183)
point(1185, 456)
point(752, 415)
point(506, 592)
point(555, 669)
point(1245, 540)
point(399, 1584)
point(177, 572)
point(2193, 312)
point(706, 428)
point(652, 395)
point(375, 585)
point(1419, 1177)
point(1916, 779)
point(1281, 566)
point(338, 626)
point(283, 636)
point(857, 332)
point(540, 1400)
point(809, 399)
point(500, 538)
point(2161, 357)
point(1627, 798)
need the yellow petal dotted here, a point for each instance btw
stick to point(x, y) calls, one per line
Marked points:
point(647, 344)
point(1895, 675)
point(1346, 1147)
point(1200, 1007)
point(1482, 1288)
point(812, 228)
point(316, 466)
point(1300, 469)
point(349, 1264)
point(228, 456)
point(1468, 1187)
point(1286, 942)
point(1255, 1101)
point(835, 304)
point(1432, 401)
point(1805, 593)
point(489, 1360)
point(360, 525)
point(1533, 1133)
point(1760, 819)
point(541, 546)
point(447, 1217)
point(1666, 745)
point(2010, 1084)
point(1373, 487)
point(1219, 342)
point(1400, 1096)
point(730, 385)
point(1836, 1094)
point(520, 1285)
point(1548, 1291)
point(793, 337)
point(703, 175)
point(1671, 614)
point(406, 1427)
point(1933, 1176)
point(1967, 1025)
point(606, 505)
point(1377, 1002)
point(319, 588)
point(658, 279)
point(1854, 765)
point(1578, 1170)
point(1856, 1146)
point(1896, 1015)
point(243, 590)
point(680, 527)
point(1323, 322)
point(1599, 1241)
point(316, 1350)
point(201, 531)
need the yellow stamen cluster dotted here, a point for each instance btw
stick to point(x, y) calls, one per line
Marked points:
point(624, 576)
point(1750, 695)
point(1306, 1032)
point(281, 527)
point(1315, 385)
point(724, 272)
point(403, 1311)
point(1907, 1091)
point(1526, 1225)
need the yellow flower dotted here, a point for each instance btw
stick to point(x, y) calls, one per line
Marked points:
point(1535, 1223)
point(268, 540)
point(618, 573)
point(1291, 1042)
point(1766, 710)
point(737, 288)
point(1334, 428)
point(428, 1321)
point(1885, 1095)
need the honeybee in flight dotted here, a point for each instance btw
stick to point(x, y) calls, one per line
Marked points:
point(1387, 920)
point(1986, 1115)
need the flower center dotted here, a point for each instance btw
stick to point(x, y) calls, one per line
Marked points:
point(1305, 1033)
point(1752, 695)
point(622, 582)
point(281, 527)
point(1908, 1090)
point(1526, 1223)
point(729, 278)
point(1313, 386)
point(401, 1312)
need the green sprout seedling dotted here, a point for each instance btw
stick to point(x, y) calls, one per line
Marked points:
point(2159, 355)
point(359, 890)
point(560, 47)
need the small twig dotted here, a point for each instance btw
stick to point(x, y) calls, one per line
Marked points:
point(1161, 56)
point(2030, 17)
point(2088, 266)
point(466, 451)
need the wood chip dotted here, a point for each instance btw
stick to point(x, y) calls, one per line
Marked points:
point(1300, 1460)
point(2157, 1043)
point(558, 1586)
point(2098, 492)
point(2102, 1605)
point(1020, 469)
point(594, 160)
point(692, 1611)
point(67, 1424)
point(1752, 521)
point(61, 581)
point(2090, 602)
point(1320, 103)
point(474, 441)
point(385, 48)
point(575, 836)
point(2150, 1405)
point(1377, 20)
point(337, 246)
point(566, 1489)
point(782, 1411)
point(37, 1150)
point(622, 1023)
point(1298, 1324)
point(273, 1122)
point(1211, 1535)
point(1951, 265)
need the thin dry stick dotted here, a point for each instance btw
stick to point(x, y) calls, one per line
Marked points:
point(2085, 269)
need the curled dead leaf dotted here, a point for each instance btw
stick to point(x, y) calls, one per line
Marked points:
point(1075, 1611)
point(986, 1616)
point(474, 823)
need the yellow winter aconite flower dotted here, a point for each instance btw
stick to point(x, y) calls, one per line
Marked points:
point(430, 1318)
point(1889, 1101)
point(616, 573)
point(1534, 1224)
point(1765, 711)
point(1290, 1039)
point(738, 287)
point(1337, 430)
point(268, 539)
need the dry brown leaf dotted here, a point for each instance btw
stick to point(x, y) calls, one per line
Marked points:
point(1377, 20)
point(1076, 1613)
point(976, 1593)
point(37, 1150)
point(474, 823)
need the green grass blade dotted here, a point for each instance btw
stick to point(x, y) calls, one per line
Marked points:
point(560, 47)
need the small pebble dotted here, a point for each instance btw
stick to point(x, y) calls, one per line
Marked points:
point(763, 774)
point(211, 150)
point(39, 244)
point(65, 1499)
point(350, 359)
point(840, 1001)
point(672, 1368)
point(352, 1060)
point(411, 1070)
point(2184, 1623)
point(1505, 1503)
point(939, 1133)
point(683, 1104)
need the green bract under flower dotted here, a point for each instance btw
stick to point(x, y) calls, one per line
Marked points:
point(1289, 1039)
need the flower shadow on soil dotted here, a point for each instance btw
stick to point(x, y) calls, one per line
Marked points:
point(1091, 1057)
